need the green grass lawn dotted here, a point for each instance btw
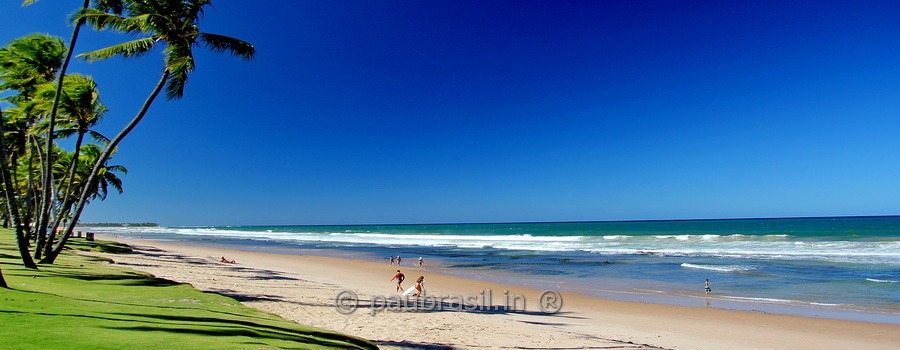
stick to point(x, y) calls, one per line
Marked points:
point(86, 303)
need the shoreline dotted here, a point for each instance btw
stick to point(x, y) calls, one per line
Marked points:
point(304, 288)
point(613, 288)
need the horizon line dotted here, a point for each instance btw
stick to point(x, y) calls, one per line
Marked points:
point(572, 222)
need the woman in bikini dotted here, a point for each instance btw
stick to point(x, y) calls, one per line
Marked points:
point(420, 286)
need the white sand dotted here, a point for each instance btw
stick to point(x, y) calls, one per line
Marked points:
point(303, 289)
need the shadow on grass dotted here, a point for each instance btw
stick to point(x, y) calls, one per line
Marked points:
point(120, 278)
point(194, 320)
point(47, 314)
point(313, 337)
point(99, 246)
point(221, 327)
point(154, 306)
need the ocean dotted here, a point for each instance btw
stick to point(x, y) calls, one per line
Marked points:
point(845, 267)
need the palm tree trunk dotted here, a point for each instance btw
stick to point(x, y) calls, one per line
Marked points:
point(2, 281)
point(34, 212)
point(101, 161)
point(66, 200)
point(12, 205)
point(31, 188)
point(33, 201)
point(46, 205)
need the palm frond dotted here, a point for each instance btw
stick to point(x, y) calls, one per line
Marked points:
point(134, 48)
point(235, 47)
point(114, 181)
point(180, 63)
point(98, 137)
point(65, 133)
point(118, 168)
point(99, 19)
point(112, 6)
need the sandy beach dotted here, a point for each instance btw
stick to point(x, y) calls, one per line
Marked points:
point(305, 288)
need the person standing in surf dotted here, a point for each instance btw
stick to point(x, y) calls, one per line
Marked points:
point(705, 286)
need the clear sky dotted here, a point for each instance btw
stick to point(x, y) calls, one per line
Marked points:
point(494, 111)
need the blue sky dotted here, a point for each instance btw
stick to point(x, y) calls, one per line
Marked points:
point(489, 111)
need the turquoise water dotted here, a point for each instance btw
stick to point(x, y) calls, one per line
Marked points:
point(828, 265)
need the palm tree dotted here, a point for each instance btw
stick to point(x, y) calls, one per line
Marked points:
point(114, 6)
point(11, 205)
point(25, 64)
point(171, 23)
point(106, 179)
point(29, 61)
point(80, 107)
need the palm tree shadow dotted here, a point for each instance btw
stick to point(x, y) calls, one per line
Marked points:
point(251, 330)
point(244, 297)
point(414, 345)
point(143, 305)
point(134, 279)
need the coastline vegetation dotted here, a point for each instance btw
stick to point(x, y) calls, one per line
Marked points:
point(84, 302)
point(120, 224)
point(53, 162)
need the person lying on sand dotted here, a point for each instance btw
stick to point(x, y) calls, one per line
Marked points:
point(228, 261)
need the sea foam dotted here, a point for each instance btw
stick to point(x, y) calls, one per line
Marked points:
point(720, 268)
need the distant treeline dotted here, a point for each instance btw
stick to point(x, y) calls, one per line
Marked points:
point(121, 224)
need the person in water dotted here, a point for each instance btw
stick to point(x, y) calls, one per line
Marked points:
point(706, 286)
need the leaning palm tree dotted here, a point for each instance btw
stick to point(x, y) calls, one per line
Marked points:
point(114, 6)
point(169, 23)
point(25, 64)
point(105, 180)
point(80, 109)
point(12, 207)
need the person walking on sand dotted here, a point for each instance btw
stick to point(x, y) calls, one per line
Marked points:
point(392, 260)
point(421, 263)
point(399, 277)
point(706, 286)
point(398, 260)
